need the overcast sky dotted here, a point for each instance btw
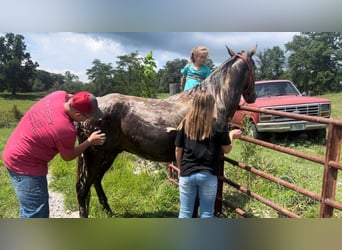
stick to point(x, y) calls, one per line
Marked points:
point(59, 52)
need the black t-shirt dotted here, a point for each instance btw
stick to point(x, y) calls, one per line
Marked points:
point(201, 155)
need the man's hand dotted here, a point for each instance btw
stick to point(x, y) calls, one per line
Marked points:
point(97, 138)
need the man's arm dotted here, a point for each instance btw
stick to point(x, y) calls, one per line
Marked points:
point(96, 138)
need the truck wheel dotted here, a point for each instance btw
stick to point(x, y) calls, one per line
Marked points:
point(318, 136)
point(253, 132)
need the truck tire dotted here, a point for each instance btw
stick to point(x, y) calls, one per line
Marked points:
point(253, 132)
point(318, 135)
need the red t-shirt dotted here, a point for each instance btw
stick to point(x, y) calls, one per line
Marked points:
point(44, 130)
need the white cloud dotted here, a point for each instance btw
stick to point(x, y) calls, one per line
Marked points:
point(59, 52)
point(244, 39)
point(74, 52)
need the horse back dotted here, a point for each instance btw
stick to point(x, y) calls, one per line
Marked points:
point(141, 125)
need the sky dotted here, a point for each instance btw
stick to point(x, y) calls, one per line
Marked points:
point(58, 52)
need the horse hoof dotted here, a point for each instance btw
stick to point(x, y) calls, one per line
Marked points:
point(83, 214)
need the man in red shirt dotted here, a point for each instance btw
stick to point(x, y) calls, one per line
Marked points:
point(45, 130)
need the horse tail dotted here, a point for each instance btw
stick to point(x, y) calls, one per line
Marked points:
point(81, 170)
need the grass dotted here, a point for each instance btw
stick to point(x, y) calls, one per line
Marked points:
point(289, 168)
point(11, 109)
point(23, 101)
point(336, 104)
point(162, 95)
point(134, 189)
point(8, 201)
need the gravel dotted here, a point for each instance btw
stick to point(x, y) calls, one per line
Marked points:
point(56, 202)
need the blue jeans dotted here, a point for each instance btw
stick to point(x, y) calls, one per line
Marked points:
point(205, 184)
point(33, 195)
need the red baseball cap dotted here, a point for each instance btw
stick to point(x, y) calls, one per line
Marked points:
point(86, 103)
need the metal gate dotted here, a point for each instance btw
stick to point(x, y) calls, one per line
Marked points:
point(330, 164)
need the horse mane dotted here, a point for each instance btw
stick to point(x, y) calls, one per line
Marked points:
point(217, 84)
point(213, 82)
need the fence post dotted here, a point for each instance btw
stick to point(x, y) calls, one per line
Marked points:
point(330, 173)
point(218, 202)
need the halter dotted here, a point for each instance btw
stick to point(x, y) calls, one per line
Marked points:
point(249, 86)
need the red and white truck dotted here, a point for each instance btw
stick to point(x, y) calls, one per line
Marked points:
point(282, 95)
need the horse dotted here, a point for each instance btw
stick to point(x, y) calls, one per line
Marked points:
point(141, 126)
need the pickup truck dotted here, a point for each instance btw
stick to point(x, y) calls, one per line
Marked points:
point(282, 95)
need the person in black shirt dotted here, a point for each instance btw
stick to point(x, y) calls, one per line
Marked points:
point(199, 144)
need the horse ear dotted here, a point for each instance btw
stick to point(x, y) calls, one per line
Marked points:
point(230, 52)
point(253, 50)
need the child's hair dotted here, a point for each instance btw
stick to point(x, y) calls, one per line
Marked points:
point(198, 122)
point(198, 50)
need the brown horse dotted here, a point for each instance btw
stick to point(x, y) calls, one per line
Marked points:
point(140, 125)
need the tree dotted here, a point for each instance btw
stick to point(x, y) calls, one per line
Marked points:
point(69, 77)
point(16, 67)
point(44, 81)
point(58, 81)
point(170, 74)
point(135, 75)
point(70, 83)
point(148, 76)
point(132, 75)
point(101, 76)
point(315, 61)
point(271, 63)
point(127, 74)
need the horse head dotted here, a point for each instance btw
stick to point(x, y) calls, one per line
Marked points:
point(230, 80)
point(248, 91)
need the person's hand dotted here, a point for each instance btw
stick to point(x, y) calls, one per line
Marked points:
point(97, 138)
point(235, 133)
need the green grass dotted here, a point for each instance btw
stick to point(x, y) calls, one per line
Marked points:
point(12, 108)
point(22, 101)
point(9, 207)
point(298, 171)
point(130, 194)
point(162, 95)
point(150, 194)
point(336, 104)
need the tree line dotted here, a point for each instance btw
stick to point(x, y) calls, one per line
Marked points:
point(313, 63)
point(312, 60)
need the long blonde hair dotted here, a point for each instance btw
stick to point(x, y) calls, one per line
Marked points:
point(198, 122)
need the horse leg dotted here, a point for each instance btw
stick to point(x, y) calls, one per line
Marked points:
point(102, 196)
point(83, 197)
point(98, 186)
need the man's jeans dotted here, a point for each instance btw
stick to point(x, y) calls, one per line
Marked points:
point(205, 184)
point(32, 192)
